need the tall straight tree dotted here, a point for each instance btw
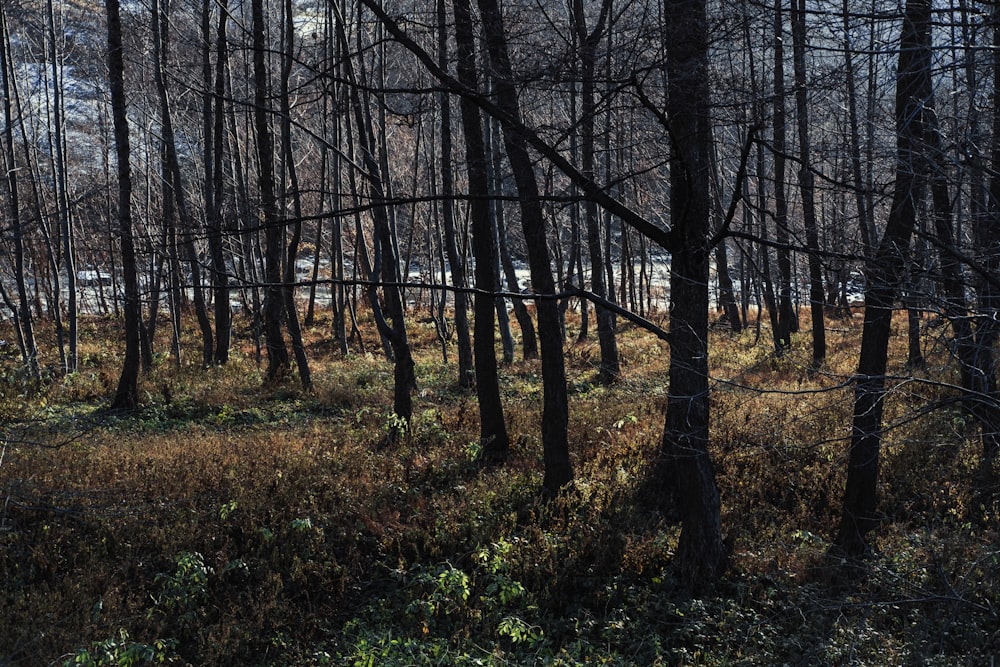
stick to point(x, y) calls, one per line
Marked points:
point(787, 322)
point(886, 270)
point(817, 297)
point(26, 334)
point(455, 259)
point(291, 191)
point(277, 352)
point(214, 129)
point(389, 319)
point(127, 393)
point(988, 326)
point(173, 176)
point(587, 43)
point(687, 466)
point(555, 400)
point(63, 209)
point(492, 429)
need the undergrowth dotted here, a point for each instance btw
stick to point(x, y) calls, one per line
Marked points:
point(223, 524)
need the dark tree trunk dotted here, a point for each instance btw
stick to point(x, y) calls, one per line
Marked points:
point(127, 394)
point(700, 552)
point(25, 330)
point(288, 162)
point(455, 259)
point(277, 352)
point(214, 175)
point(988, 325)
point(390, 320)
point(817, 296)
point(175, 180)
point(587, 44)
point(529, 342)
point(492, 429)
point(886, 270)
point(555, 401)
point(787, 322)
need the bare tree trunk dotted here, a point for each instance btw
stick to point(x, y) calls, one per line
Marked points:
point(529, 343)
point(555, 408)
point(277, 352)
point(455, 260)
point(288, 162)
point(492, 429)
point(817, 296)
point(886, 270)
point(587, 46)
point(391, 322)
point(175, 182)
point(127, 393)
point(26, 334)
point(64, 212)
point(214, 127)
point(700, 552)
point(787, 322)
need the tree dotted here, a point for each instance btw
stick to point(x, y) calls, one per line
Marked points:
point(587, 42)
point(817, 297)
point(555, 401)
point(886, 270)
point(127, 393)
point(492, 429)
point(686, 463)
point(455, 260)
point(277, 352)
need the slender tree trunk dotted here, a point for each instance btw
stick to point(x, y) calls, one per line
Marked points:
point(886, 270)
point(175, 182)
point(214, 110)
point(787, 322)
point(64, 212)
point(288, 161)
point(988, 325)
point(277, 352)
point(455, 260)
point(390, 321)
point(555, 402)
point(26, 334)
point(492, 429)
point(127, 393)
point(587, 46)
point(817, 296)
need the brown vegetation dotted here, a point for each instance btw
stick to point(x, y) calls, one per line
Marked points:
point(270, 528)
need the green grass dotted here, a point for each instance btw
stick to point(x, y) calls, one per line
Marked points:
point(226, 525)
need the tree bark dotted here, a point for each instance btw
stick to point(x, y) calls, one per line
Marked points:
point(492, 428)
point(277, 352)
point(886, 270)
point(555, 401)
point(455, 260)
point(587, 45)
point(700, 552)
point(127, 394)
point(817, 296)
point(787, 322)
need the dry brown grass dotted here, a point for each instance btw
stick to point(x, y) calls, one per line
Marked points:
point(304, 523)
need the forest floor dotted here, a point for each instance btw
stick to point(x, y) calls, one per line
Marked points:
point(225, 524)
